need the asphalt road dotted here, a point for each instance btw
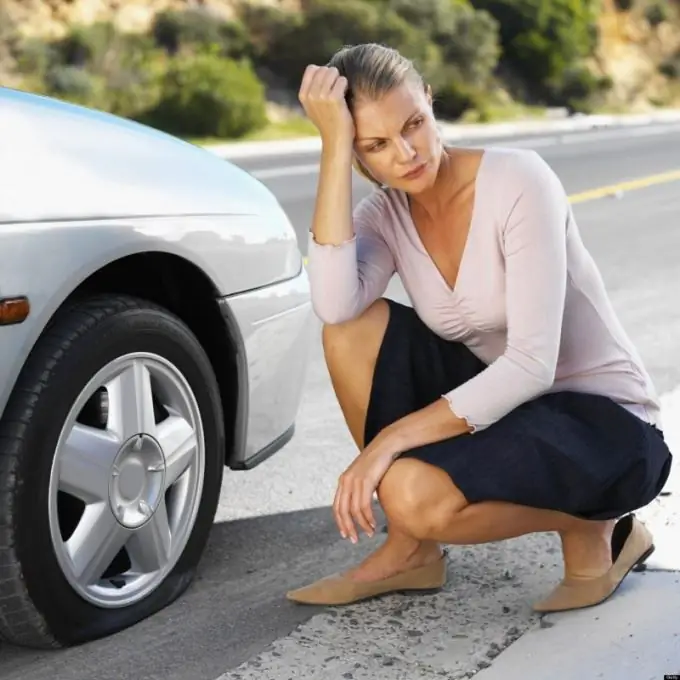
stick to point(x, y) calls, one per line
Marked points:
point(584, 160)
point(275, 529)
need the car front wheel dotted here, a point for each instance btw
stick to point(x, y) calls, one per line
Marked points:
point(111, 462)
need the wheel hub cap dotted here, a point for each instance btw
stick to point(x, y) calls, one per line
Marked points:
point(137, 481)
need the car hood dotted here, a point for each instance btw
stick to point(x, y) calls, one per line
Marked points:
point(62, 161)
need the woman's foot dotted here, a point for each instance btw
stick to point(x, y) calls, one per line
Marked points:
point(395, 556)
point(397, 566)
point(588, 581)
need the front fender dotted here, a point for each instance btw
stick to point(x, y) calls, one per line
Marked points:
point(237, 252)
point(47, 262)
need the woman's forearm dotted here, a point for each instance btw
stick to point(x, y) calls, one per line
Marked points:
point(345, 275)
point(349, 263)
point(332, 220)
point(430, 424)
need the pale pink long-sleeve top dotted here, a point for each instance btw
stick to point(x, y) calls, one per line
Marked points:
point(529, 299)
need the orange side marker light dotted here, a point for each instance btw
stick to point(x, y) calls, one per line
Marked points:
point(13, 310)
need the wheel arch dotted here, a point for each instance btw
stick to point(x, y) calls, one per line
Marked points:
point(185, 290)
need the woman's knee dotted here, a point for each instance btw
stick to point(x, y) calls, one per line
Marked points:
point(419, 498)
point(363, 334)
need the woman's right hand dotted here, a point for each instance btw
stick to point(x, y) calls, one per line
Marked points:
point(322, 95)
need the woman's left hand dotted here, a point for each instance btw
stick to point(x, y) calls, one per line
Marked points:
point(357, 483)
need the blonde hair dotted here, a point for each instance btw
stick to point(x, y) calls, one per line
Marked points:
point(372, 70)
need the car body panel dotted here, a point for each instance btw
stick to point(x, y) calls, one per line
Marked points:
point(93, 172)
point(277, 323)
point(82, 189)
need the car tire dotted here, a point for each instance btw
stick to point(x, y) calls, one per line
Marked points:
point(40, 606)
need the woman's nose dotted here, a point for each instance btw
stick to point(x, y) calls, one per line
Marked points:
point(405, 150)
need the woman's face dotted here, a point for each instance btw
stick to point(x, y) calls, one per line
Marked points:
point(397, 139)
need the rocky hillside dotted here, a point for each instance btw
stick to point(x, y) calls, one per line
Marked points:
point(483, 57)
point(639, 50)
point(53, 18)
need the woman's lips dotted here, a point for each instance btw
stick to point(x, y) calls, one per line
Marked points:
point(416, 172)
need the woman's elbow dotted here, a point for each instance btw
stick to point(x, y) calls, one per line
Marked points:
point(539, 375)
point(331, 314)
point(545, 377)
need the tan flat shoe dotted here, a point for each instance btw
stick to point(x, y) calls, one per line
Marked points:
point(338, 589)
point(632, 544)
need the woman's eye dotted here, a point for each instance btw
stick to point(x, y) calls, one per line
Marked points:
point(377, 146)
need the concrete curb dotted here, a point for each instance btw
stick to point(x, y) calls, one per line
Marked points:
point(455, 131)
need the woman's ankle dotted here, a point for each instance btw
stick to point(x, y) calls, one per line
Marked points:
point(586, 549)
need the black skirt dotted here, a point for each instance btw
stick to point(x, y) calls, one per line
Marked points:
point(582, 454)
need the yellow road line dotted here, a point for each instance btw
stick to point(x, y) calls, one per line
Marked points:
point(640, 183)
point(612, 189)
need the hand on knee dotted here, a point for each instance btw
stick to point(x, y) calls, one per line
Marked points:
point(415, 503)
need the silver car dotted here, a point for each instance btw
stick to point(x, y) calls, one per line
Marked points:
point(155, 320)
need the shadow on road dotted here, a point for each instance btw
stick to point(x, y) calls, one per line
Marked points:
point(234, 608)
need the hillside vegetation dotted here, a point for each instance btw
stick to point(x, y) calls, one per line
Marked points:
point(226, 68)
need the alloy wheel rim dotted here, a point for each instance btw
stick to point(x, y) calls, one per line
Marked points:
point(126, 480)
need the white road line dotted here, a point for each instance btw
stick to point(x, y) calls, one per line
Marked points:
point(483, 609)
point(527, 142)
point(286, 171)
point(600, 135)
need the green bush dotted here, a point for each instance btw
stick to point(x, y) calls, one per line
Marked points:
point(454, 99)
point(671, 66)
point(328, 25)
point(88, 45)
point(266, 27)
point(99, 67)
point(413, 43)
point(657, 13)
point(193, 90)
point(200, 28)
point(468, 39)
point(455, 47)
point(72, 83)
point(206, 95)
point(475, 47)
point(624, 5)
point(544, 40)
point(580, 89)
point(34, 57)
point(134, 85)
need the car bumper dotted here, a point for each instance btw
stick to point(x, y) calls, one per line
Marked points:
point(276, 324)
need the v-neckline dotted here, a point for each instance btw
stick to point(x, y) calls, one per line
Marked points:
point(451, 290)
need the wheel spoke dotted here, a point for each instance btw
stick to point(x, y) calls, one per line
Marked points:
point(96, 541)
point(149, 547)
point(131, 410)
point(85, 461)
point(178, 441)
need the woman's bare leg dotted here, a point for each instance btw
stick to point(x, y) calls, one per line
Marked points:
point(423, 506)
point(351, 350)
point(422, 501)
